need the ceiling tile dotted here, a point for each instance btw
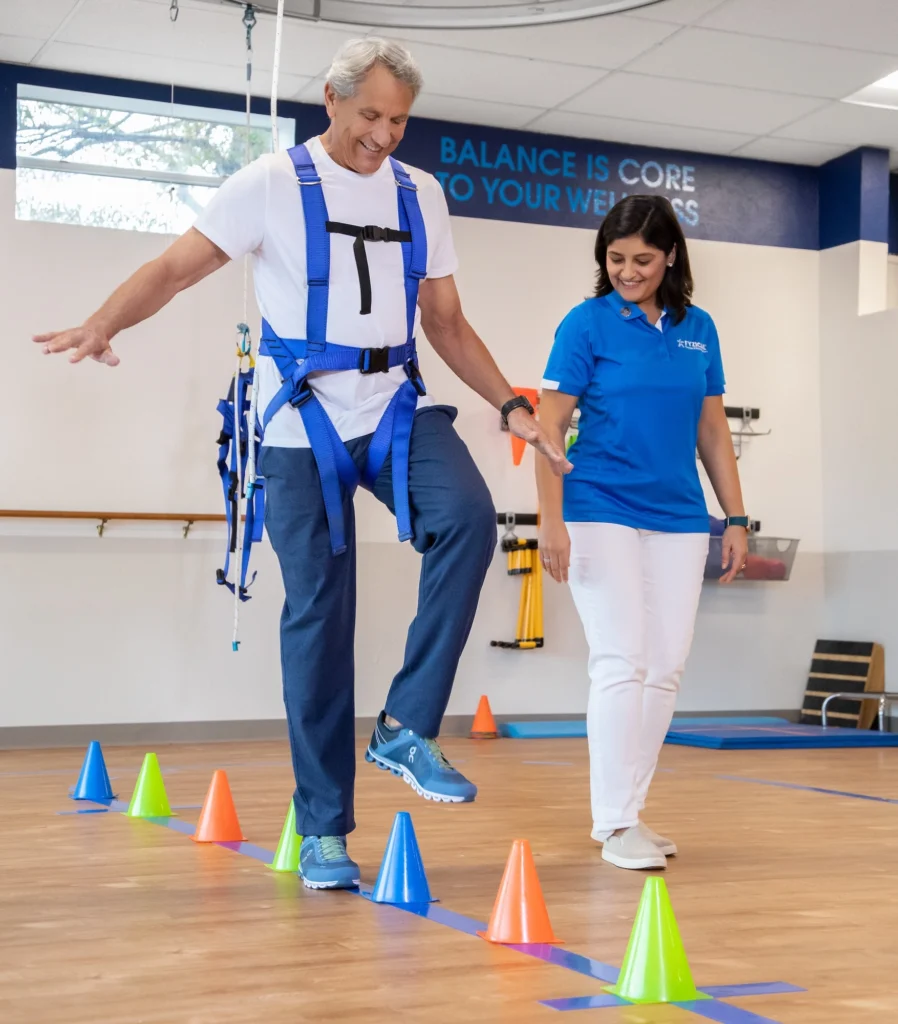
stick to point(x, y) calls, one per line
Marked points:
point(611, 129)
point(468, 111)
point(677, 12)
point(702, 55)
point(789, 151)
point(100, 61)
point(608, 42)
point(694, 104)
point(859, 25)
point(846, 124)
point(143, 26)
point(500, 79)
point(35, 18)
point(135, 26)
point(19, 49)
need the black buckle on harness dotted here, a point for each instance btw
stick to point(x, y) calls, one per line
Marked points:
point(372, 233)
point(414, 375)
point(374, 360)
point(302, 395)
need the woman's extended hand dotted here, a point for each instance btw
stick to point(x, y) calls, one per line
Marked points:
point(555, 549)
point(734, 548)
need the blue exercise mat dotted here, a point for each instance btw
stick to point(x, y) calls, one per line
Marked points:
point(723, 733)
point(784, 736)
point(577, 727)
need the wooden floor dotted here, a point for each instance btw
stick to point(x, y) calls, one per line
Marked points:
point(107, 919)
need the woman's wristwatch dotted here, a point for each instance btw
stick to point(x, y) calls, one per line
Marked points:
point(744, 521)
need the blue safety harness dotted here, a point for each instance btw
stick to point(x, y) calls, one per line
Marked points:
point(233, 446)
point(298, 358)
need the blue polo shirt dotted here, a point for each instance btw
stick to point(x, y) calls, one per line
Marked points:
point(640, 389)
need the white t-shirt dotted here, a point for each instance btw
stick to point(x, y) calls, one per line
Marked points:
point(259, 210)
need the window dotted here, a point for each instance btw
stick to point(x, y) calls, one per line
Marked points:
point(110, 162)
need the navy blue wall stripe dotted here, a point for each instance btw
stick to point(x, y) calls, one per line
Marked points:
point(528, 177)
point(854, 198)
point(893, 213)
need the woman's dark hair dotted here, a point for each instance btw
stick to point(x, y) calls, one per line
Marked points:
point(655, 221)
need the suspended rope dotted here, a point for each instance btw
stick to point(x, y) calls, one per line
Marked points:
point(244, 356)
point(173, 11)
point(275, 74)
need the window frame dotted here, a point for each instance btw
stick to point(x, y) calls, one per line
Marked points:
point(307, 119)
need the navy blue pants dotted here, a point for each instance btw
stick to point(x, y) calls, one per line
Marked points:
point(454, 526)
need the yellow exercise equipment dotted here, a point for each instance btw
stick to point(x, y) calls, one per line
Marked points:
point(523, 560)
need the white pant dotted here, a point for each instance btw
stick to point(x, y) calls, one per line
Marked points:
point(637, 595)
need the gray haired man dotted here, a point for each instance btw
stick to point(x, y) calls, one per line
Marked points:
point(352, 251)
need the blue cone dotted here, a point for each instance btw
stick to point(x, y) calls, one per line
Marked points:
point(401, 878)
point(93, 782)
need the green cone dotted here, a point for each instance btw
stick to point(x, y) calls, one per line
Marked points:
point(149, 799)
point(655, 969)
point(286, 857)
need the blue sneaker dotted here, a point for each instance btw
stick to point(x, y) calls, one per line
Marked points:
point(325, 864)
point(420, 762)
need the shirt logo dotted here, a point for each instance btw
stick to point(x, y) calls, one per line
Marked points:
point(693, 346)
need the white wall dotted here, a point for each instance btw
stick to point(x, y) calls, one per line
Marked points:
point(132, 628)
point(859, 358)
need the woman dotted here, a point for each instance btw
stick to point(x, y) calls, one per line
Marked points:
point(630, 530)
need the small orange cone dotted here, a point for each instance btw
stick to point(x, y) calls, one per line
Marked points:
point(517, 444)
point(218, 819)
point(484, 727)
point(519, 915)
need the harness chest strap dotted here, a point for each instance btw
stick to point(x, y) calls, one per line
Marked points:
point(296, 359)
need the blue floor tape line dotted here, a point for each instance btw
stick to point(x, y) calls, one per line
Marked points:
point(584, 1002)
point(763, 988)
point(723, 1013)
point(809, 789)
point(758, 988)
point(449, 918)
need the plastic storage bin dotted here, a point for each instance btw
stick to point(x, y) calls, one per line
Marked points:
point(769, 558)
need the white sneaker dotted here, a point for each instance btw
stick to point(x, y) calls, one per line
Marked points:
point(666, 846)
point(633, 850)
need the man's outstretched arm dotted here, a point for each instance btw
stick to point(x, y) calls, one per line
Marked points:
point(185, 262)
point(458, 345)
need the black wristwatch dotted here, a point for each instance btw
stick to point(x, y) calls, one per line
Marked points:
point(518, 402)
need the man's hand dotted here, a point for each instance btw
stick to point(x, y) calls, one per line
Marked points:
point(82, 341)
point(186, 261)
point(524, 426)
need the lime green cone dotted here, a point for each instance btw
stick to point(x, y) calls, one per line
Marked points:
point(286, 857)
point(149, 799)
point(655, 968)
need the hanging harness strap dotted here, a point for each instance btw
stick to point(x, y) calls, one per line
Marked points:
point(297, 359)
point(233, 445)
point(369, 233)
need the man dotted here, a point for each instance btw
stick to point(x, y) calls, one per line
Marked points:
point(341, 397)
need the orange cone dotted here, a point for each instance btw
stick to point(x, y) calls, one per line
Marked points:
point(218, 819)
point(484, 727)
point(519, 914)
point(517, 445)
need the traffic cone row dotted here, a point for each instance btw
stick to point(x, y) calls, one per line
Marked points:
point(655, 967)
